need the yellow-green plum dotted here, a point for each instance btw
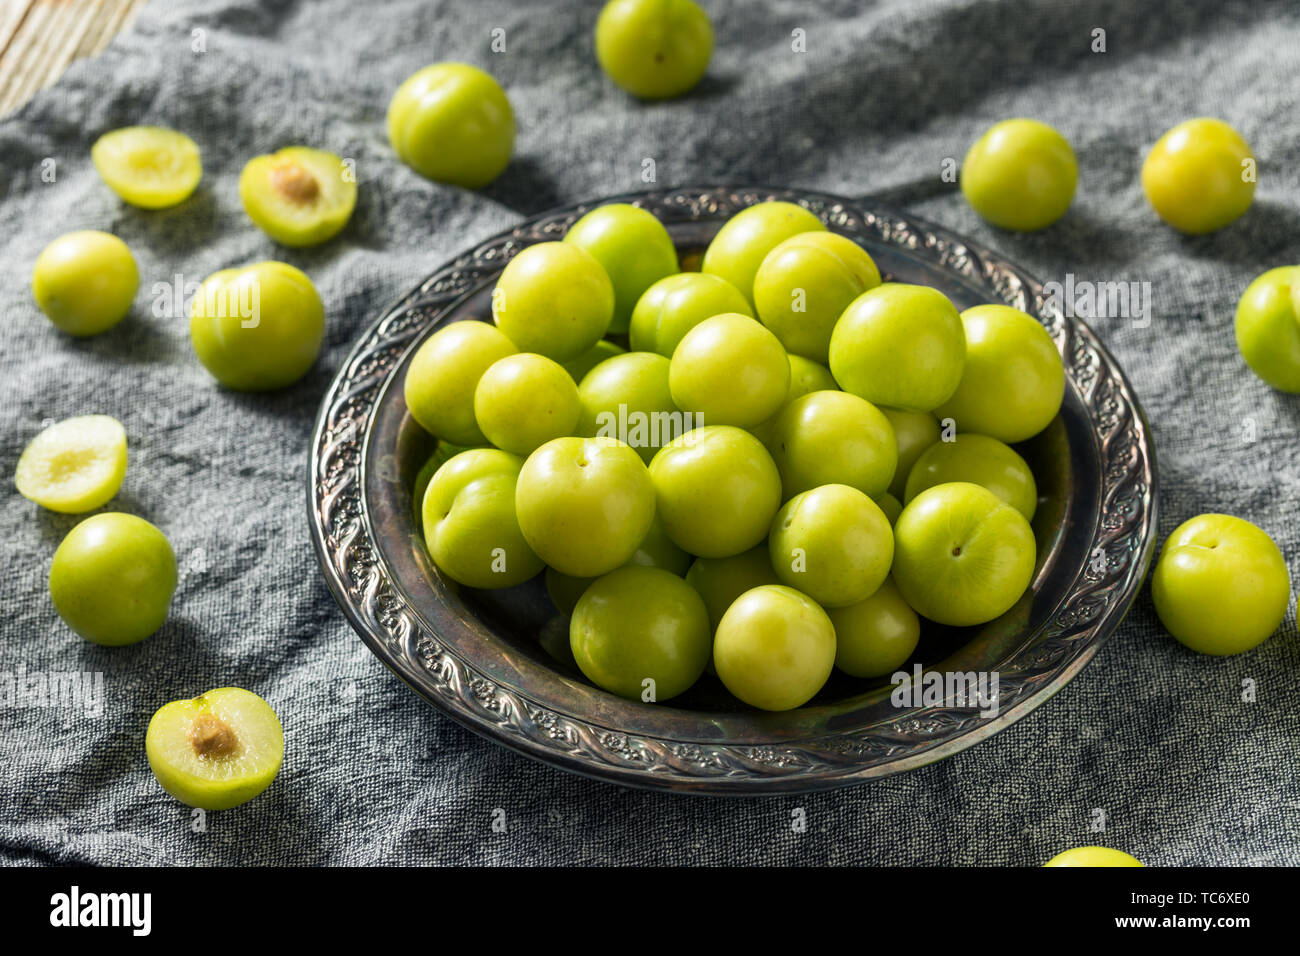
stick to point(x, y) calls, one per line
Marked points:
point(584, 363)
point(585, 504)
point(641, 633)
point(674, 305)
point(721, 580)
point(75, 465)
point(729, 370)
point(1200, 176)
point(805, 376)
point(1221, 585)
point(1014, 380)
point(774, 648)
point(554, 299)
point(85, 282)
point(112, 579)
point(744, 241)
point(627, 397)
point(523, 401)
point(1093, 856)
point(298, 196)
point(452, 123)
point(804, 285)
point(891, 506)
point(833, 543)
point(875, 637)
point(443, 377)
point(899, 345)
point(716, 490)
point(980, 460)
point(831, 437)
point(915, 431)
point(470, 525)
point(1268, 327)
point(258, 327)
point(1020, 175)
point(633, 247)
point(962, 555)
point(217, 750)
point(654, 49)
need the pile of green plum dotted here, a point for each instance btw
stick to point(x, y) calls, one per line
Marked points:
point(789, 465)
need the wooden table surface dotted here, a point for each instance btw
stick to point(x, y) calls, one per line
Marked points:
point(39, 38)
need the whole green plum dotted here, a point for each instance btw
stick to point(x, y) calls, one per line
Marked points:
point(729, 370)
point(470, 525)
point(1268, 327)
point(633, 247)
point(85, 282)
point(674, 305)
point(627, 397)
point(833, 543)
point(444, 374)
point(555, 299)
point(716, 489)
point(654, 49)
point(523, 401)
point(899, 345)
point(804, 285)
point(980, 460)
point(875, 637)
point(1020, 175)
point(774, 648)
point(832, 437)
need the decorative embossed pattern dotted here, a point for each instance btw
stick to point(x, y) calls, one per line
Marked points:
point(1105, 572)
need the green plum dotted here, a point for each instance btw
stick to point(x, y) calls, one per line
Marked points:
point(891, 506)
point(1020, 175)
point(1013, 382)
point(151, 167)
point(641, 633)
point(75, 465)
point(875, 637)
point(804, 285)
point(805, 376)
point(744, 241)
point(633, 247)
point(673, 306)
point(774, 648)
point(915, 431)
point(523, 401)
point(627, 397)
point(298, 196)
point(585, 504)
point(831, 437)
point(470, 525)
point(555, 299)
point(1221, 585)
point(980, 460)
point(259, 327)
point(721, 580)
point(654, 49)
point(899, 345)
point(444, 374)
point(1093, 856)
point(833, 543)
point(216, 751)
point(452, 123)
point(1268, 327)
point(1199, 176)
point(584, 363)
point(716, 489)
point(962, 555)
point(729, 370)
point(112, 579)
point(85, 282)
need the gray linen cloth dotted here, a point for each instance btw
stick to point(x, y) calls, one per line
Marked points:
point(1156, 737)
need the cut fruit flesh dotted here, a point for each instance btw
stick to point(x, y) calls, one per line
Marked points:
point(298, 196)
point(75, 465)
point(148, 166)
point(217, 750)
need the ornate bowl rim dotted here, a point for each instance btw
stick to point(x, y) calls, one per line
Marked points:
point(349, 551)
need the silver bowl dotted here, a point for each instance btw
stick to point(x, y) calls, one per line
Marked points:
point(480, 656)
